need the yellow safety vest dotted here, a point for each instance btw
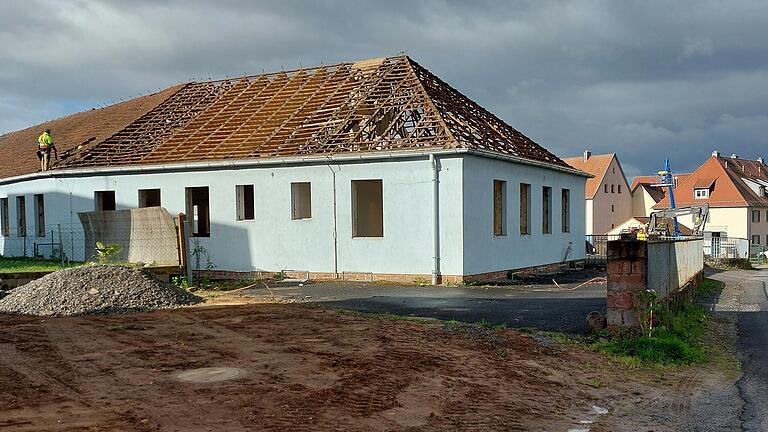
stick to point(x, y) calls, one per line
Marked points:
point(44, 141)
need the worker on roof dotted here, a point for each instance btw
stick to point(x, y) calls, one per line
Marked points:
point(44, 147)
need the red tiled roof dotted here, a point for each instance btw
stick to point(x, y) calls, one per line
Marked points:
point(386, 104)
point(724, 177)
point(18, 149)
point(597, 165)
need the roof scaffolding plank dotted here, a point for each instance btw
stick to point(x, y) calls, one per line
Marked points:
point(373, 105)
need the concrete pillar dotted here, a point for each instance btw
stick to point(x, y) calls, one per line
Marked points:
point(627, 281)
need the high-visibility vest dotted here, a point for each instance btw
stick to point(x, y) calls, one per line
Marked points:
point(44, 141)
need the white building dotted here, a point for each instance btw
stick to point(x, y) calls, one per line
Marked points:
point(375, 169)
point(607, 194)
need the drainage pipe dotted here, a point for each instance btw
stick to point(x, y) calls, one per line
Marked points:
point(335, 229)
point(435, 219)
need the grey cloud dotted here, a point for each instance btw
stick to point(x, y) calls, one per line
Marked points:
point(646, 79)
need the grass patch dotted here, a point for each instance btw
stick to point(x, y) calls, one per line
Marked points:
point(678, 337)
point(22, 264)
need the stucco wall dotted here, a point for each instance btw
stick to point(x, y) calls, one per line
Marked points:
point(759, 228)
point(485, 252)
point(606, 217)
point(642, 203)
point(731, 220)
point(273, 241)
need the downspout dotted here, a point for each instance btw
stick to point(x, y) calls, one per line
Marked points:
point(335, 230)
point(435, 219)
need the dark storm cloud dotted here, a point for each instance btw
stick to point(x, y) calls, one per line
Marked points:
point(647, 80)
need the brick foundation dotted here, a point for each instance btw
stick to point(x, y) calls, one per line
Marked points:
point(392, 277)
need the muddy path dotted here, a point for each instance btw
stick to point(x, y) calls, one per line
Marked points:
point(307, 368)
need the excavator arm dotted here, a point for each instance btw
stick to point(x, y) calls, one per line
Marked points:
point(700, 213)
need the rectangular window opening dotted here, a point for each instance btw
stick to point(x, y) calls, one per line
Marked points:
point(104, 200)
point(40, 215)
point(301, 200)
point(198, 211)
point(5, 227)
point(612, 188)
point(21, 216)
point(619, 188)
point(546, 215)
point(566, 210)
point(755, 216)
point(245, 202)
point(367, 208)
point(499, 208)
point(149, 198)
point(525, 208)
point(755, 239)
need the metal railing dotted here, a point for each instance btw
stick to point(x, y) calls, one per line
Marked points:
point(597, 247)
point(717, 248)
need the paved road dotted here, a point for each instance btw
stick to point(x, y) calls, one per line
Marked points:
point(544, 307)
point(747, 406)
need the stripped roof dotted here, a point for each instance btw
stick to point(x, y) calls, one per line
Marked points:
point(732, 182)
point(597, 165)
point(368, 106)
point(17, 149)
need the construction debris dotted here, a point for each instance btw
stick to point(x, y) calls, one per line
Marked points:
point(388, 104)
point(95, 290)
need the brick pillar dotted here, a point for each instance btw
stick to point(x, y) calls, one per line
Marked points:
point(627, 280)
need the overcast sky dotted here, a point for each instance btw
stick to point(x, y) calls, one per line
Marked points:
point(644, 79)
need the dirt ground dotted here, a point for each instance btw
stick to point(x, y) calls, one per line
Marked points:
point(308, 368)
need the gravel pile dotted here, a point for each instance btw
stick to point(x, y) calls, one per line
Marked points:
point(95, 290)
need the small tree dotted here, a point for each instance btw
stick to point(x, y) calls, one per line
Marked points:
point(104, 251)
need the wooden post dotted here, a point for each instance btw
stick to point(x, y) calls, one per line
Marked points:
point(181, 229)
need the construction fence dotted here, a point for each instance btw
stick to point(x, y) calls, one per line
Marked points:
point(148, 235)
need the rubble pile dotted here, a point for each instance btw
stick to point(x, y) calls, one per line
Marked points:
point(95, 290)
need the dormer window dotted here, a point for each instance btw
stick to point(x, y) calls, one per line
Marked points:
point(701, 193)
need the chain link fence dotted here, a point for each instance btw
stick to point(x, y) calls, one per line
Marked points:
point(147, 236)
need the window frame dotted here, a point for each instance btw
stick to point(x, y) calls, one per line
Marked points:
point(546, 209)
point(198, 227)
point(98, 200)
point(358, 230)
point(704, 195)
point(565, 210)
point(525, 209)
point(21, 216)
point(144, 197)
point(295, 195)
point(39, 200)
point(242, 206)
point(5, 218)
point(499, 208)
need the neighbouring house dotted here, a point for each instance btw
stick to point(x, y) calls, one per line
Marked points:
point(637, 222)
point(607, 194)
point(736, 190)
point(645, 194)
point(374, 169)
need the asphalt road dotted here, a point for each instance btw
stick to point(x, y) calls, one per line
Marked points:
point(752, 349)
point(545, 307)
point(744, 406)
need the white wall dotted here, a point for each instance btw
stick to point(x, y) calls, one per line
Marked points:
point(484, 252)
point(273, 241)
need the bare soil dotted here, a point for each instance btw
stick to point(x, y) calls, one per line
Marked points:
point(308, 368)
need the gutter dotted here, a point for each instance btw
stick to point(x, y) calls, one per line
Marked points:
point(254, 163)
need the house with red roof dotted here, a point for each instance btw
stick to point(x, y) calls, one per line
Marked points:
point(736, 190)
point(608, 199)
